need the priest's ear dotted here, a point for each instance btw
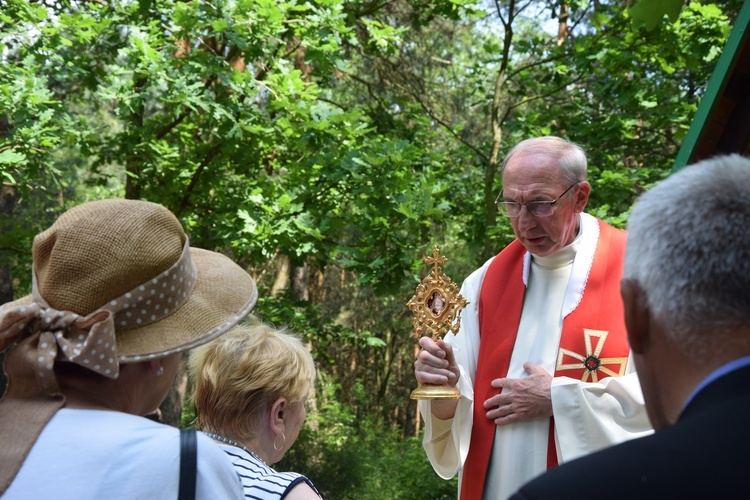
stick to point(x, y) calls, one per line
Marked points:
point(582, 196)
point(637, 315)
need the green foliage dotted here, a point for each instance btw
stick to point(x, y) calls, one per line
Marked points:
point(345, 138)
point(361, 457)
point(221, 112)
point(188, 415)
point(329, 131)
point(651, 12)
point(310, 323)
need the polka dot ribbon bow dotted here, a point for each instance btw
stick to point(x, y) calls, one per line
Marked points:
point(89, 340)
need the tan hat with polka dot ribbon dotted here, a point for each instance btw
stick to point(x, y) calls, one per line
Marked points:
point(114, 281)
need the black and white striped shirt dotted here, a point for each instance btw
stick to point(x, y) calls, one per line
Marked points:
point(260, 481)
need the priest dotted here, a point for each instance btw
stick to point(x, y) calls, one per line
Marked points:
point(541, 360)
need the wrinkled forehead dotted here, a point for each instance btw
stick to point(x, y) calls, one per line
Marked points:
point(533, 171)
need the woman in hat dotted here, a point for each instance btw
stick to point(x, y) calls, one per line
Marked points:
point(250, 388)
point(117, 296)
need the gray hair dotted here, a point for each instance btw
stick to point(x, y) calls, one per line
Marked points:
point(571, 157)
point(689, 248)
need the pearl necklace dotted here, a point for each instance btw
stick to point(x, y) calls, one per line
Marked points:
point(235, 444)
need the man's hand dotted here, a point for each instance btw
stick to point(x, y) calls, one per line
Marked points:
point(521, 398)
point(436, 363)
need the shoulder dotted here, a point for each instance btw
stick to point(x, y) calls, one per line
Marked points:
point(96, 429)
point(261, 481)
point(679, 461)
point(472, 285)
point(303, 490)
point(138, 456)
point(625, 465)
point(476, 277)
point(210, 453)
point(217, 477)
point(514, 251)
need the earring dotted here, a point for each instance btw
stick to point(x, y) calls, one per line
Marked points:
point(160, 371)
point(283, 440)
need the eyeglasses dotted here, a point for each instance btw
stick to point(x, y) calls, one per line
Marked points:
point(535, 208)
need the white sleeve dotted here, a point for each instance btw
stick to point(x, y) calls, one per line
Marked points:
point(217, 477)
point(591, 416)
point(447, 441)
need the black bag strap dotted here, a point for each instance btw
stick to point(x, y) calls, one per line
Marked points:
point(188, 464)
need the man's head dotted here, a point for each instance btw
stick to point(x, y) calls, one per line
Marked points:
point(686, 285)
point(541, 170)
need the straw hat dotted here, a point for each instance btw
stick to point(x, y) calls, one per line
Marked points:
point(114, 281)
point(105, 251)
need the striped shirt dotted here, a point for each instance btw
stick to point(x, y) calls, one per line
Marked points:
point(260, 481)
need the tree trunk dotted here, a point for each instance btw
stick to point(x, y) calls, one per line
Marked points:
point(562, 24)
point(133, 162)
point(282, 276)
point(170, 409)
point(8, 200)
point(299, 281)
point(498, 113)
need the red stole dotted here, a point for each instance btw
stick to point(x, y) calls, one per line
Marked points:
point(593, 341)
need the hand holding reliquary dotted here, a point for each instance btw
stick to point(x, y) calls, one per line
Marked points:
point(436, 307)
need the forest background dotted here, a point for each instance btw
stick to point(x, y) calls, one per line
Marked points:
point(327, 146)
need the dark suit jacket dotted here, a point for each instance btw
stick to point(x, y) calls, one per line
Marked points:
point(704, 455)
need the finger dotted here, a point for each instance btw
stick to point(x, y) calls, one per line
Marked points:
point(447, 348)
point(429, 345)
point(497, 401)
point(441, 368)
point(427, 358)
point(426, 374)
point(500, 383)
point(531, 368)
point(507, 419)
point(499, 412)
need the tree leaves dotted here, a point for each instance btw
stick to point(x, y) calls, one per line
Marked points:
point(650, 13)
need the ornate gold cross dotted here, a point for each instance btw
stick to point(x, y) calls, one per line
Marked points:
point(437, 304)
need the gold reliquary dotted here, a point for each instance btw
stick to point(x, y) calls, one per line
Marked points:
point(436, 307)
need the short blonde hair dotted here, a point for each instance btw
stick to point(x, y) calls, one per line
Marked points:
point(238, 376)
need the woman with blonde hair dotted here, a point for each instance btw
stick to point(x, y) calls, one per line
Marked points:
point(250, 388)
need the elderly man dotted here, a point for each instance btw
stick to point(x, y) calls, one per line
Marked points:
point(687, 310)
point(541, 359)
